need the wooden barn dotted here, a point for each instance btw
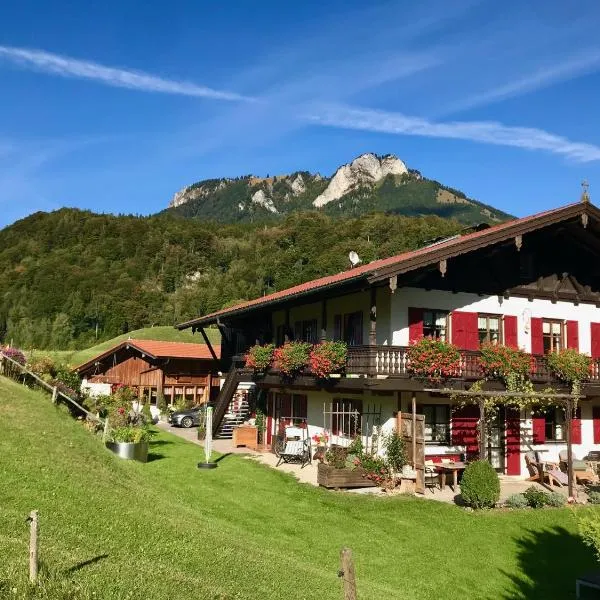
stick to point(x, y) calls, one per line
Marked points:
point(176, 370)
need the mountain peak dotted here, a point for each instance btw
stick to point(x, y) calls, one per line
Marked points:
point(366, 169)
point(368, 183)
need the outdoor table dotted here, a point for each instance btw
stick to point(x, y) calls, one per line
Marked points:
point(452, 467)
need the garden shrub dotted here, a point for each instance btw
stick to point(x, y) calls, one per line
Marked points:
point(589, 529)
point(516, 501)
point(480, 486)
point(556, 499)
point(536, 498)
point(594, 497)
point(395, 452)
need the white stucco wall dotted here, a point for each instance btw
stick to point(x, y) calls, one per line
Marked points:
point(522, 308)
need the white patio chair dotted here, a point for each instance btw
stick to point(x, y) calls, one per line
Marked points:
point(431, 475)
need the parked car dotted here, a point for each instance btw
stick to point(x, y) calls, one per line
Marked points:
point(186, 418)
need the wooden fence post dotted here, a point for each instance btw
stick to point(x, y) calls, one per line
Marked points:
point(33, 546)
point(347, 574)
point(105, 432)
point(54, 395)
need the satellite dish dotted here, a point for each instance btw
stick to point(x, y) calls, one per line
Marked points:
point(354, 258)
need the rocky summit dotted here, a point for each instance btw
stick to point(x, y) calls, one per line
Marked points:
point(369, 183)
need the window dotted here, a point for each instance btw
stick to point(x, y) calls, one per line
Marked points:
point(291, 409)
point(555, 425)
point(344, 417)
point(490, 329)
point(306, 331)
point(280, 335)
point(337, 328)
point(435, 324)
point(437, 423)
point(552, 332)
point(353, 328)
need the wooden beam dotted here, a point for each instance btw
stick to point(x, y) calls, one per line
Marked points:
point(482, 432)
point(414, 429)
point(373, 318)
point(323, 320)
point(207, 342)
point(569, 418)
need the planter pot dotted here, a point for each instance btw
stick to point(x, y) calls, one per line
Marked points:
point(329, 477)
point(129, 451)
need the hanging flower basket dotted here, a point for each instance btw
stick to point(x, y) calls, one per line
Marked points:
point(291, 358)
point(433, 359)
point(328, 358)
point(259, 358)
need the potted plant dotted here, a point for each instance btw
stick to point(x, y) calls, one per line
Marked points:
point(328, 358)
point(500, 362)
point(259, 357)
point(320, 439)
point(130, 442)
point(340, 469)
point(291, 358)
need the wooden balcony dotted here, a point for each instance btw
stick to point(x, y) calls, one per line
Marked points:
point(392, 361)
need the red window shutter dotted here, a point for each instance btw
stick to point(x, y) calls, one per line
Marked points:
point(576, 427)
point(539, 430)
point(595, 332)
point(537, 336)
point(415, 324)
point(513, 441)
point(464, 429)
point(573, 335)
point(596, 418)
point(465, 332)
point(510, 331)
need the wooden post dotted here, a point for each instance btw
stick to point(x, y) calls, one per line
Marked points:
point(105, 432)
point(54, 395)
point(347, 574)
point(323, 320)
point(414, 429)
point(569, 424)
point(482, 440)
point(373, 318)
point(33, 546)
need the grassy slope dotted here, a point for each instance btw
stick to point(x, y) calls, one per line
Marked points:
point(163, 333)
point(165, 530)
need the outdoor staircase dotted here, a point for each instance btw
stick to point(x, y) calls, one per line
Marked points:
point(222, 426)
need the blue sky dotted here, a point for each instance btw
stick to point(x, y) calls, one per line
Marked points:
point(115, 106)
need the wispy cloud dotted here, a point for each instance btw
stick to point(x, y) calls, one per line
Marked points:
point(64, 66)
point(541, 78)
point(488, 132)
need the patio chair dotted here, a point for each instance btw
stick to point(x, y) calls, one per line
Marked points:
point(431, 475)
point(581, 470)
point(534, 467)
point(295, 447)
point(556, 477)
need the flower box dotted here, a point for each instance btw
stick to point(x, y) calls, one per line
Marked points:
point(330, 477)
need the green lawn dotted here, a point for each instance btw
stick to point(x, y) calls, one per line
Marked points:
point(163, 333)
point(115, 529)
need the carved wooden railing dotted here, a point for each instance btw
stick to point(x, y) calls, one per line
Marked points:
point(392, 361)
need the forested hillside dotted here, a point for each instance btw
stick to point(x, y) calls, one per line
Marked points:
point(71, 278)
